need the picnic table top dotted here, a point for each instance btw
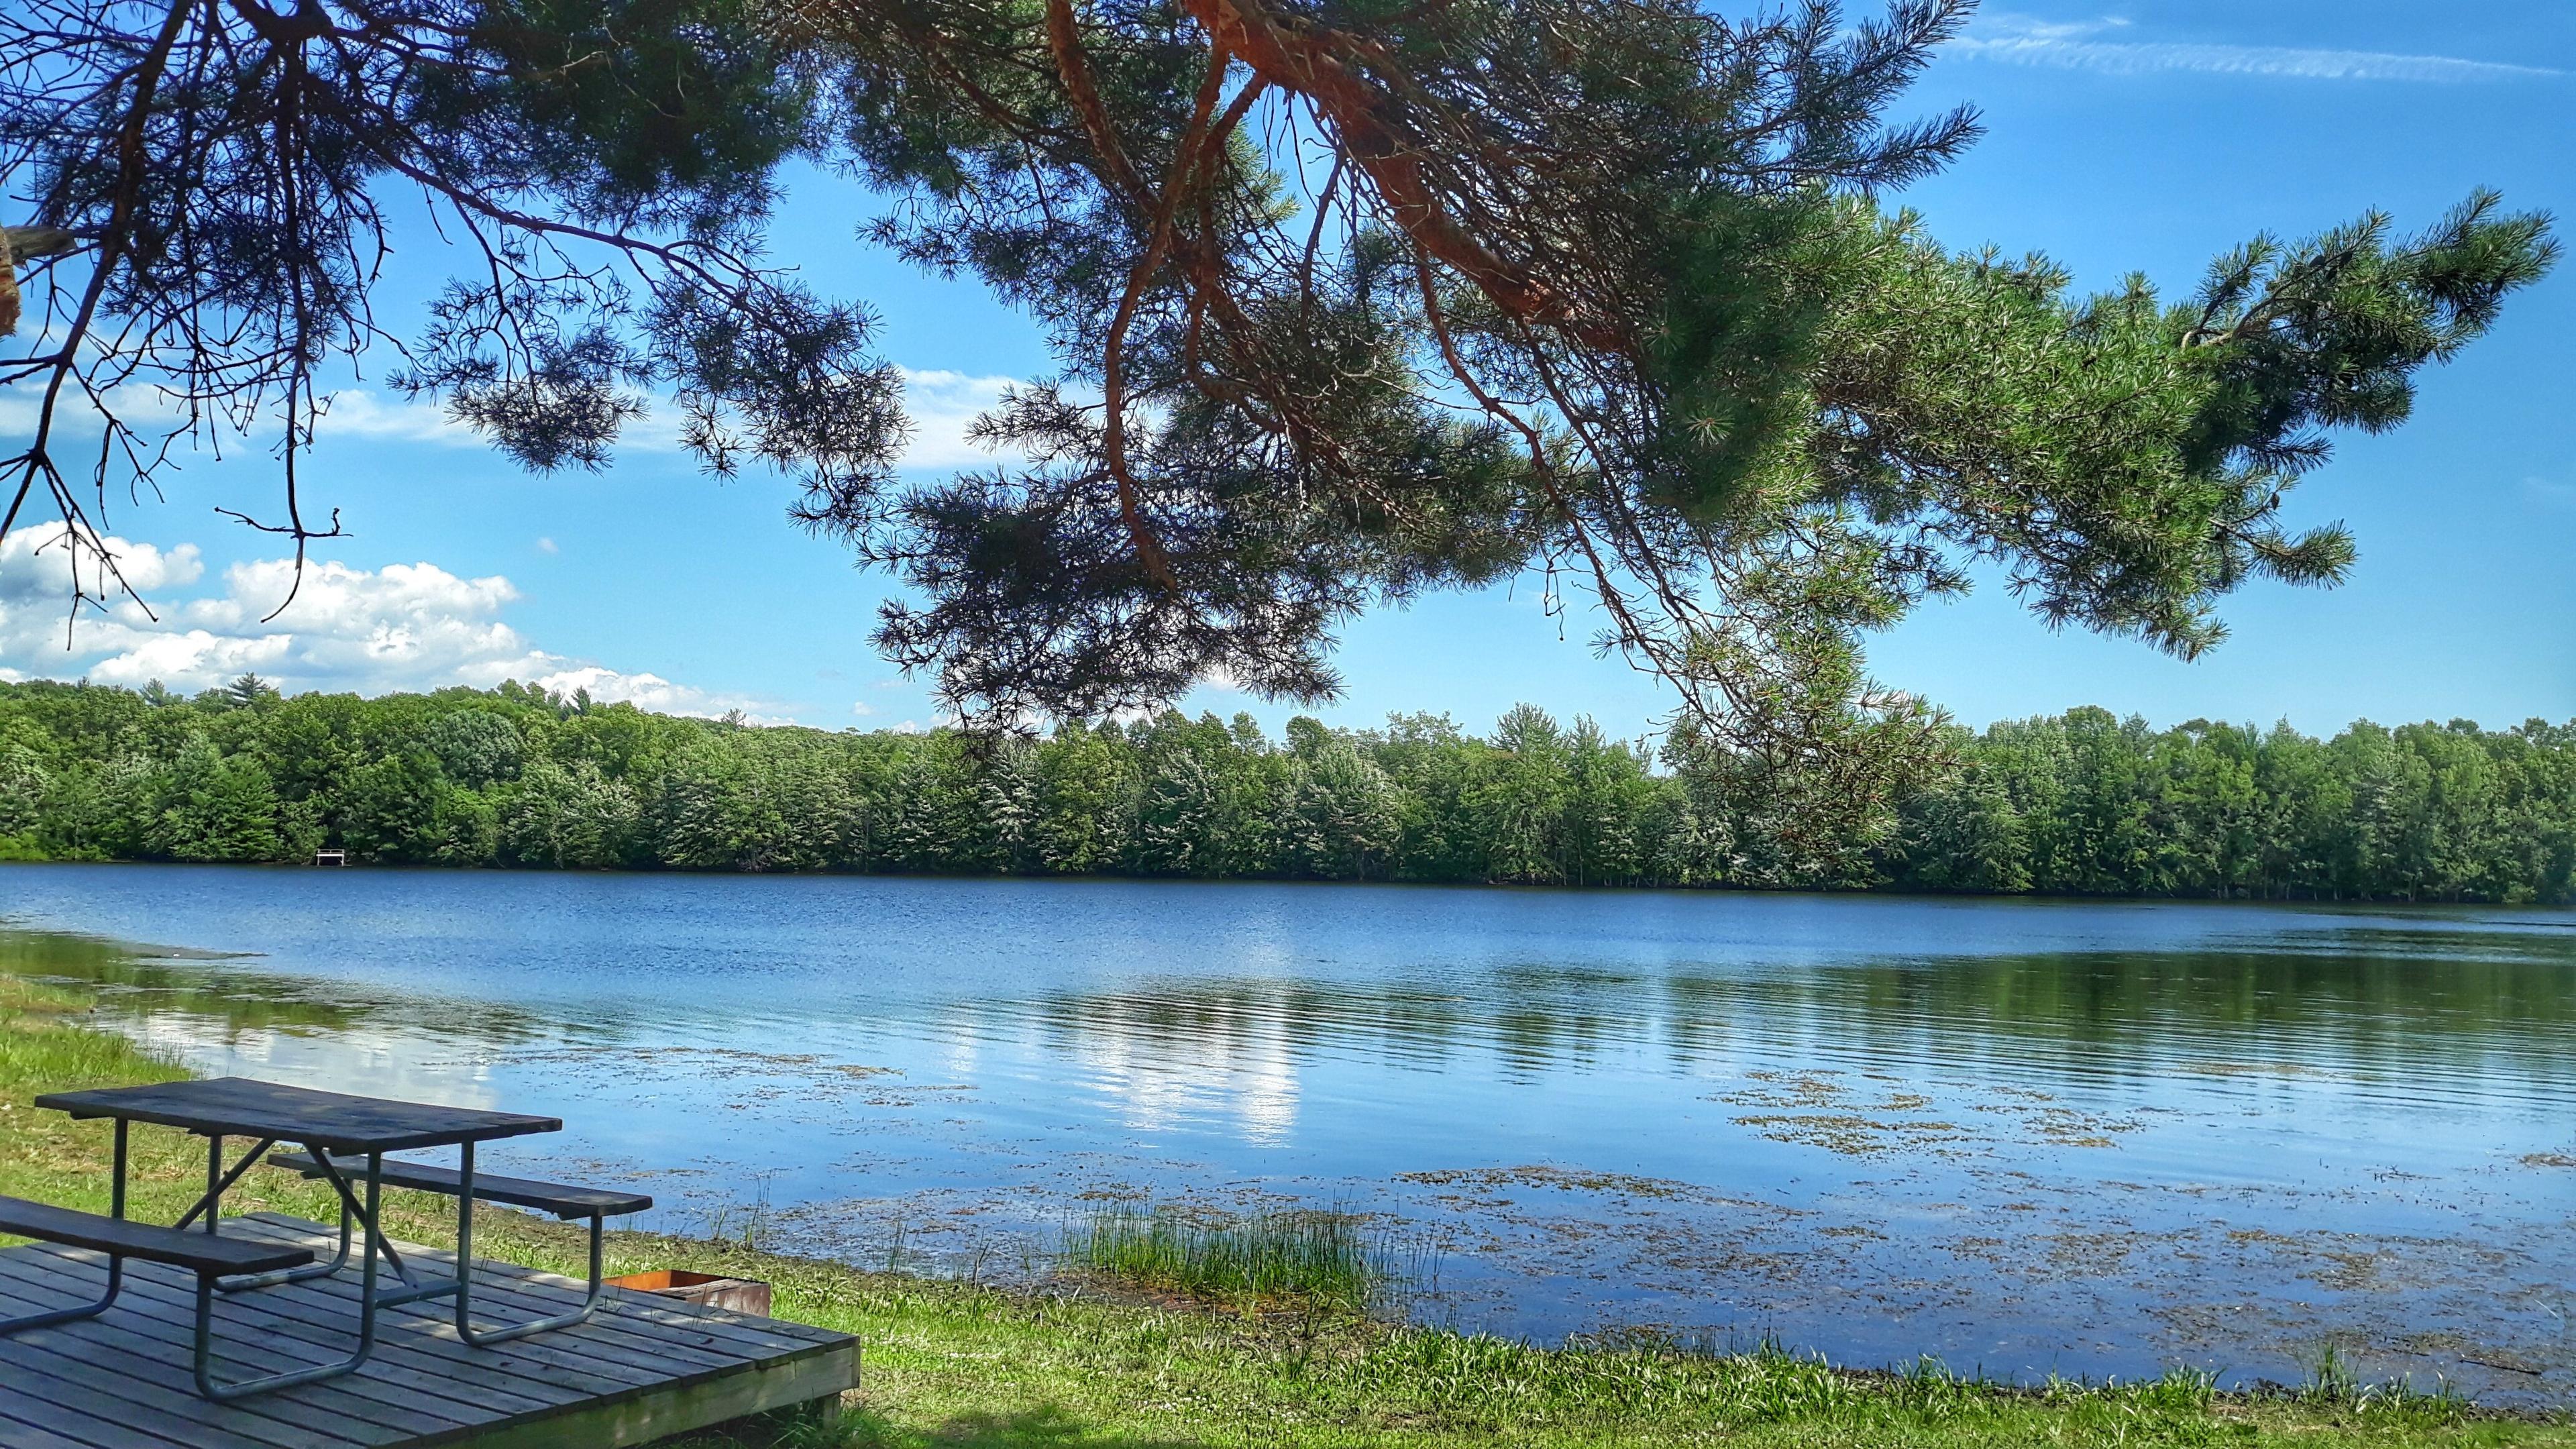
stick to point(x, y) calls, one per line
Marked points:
point(333, 1121)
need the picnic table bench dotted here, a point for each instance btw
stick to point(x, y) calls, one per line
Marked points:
point(345, 1139)
point(567, 1203)
point(121, 1238)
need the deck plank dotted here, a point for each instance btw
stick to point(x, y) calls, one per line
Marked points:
point(626, 1324)
point(625, 1318)
point(641, 1369)
point(156, 1353)
point(152, 1365)
point(400, 1360)
point(164, 1323)
point(407, 1336)
point(761, 1333)
point(327, 1318)
point(112, 1414)
point(20, 1435)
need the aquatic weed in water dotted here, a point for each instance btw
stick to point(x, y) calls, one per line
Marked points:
point(745, 1224)
point(1297, 1258)
point(2333, 1383)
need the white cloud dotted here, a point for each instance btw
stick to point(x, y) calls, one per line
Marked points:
point(942, 406)
point(355, 412)
point(352, 412)
point(862, 708)
point(198, 657)
point(547, 545)
point(2022, 40)
point(36, 564)
point(402, 627)
point(332, 596)
point(650, 692)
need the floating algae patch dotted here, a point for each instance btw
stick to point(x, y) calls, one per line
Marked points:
point(1853, 1135)
point(2074, 1256)
point(712, 1062)
point(2255, 1069)
point(2066, 1127)
point(2376, 1264)
point(1787, 1089)
point(1816, 1109)
point(1561, 1179)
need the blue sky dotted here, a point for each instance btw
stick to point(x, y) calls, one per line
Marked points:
point(2144, 138)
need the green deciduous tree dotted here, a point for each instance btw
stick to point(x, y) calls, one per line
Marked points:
point(568, 816)
point(214, 808)
point(1339, 813)
point(1518, 802)
point(1087, 798)
point(2079, 803)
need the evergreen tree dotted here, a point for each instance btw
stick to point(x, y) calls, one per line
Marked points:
point(1616, 287)
point(1518, 803)
point(1006, 809)
point(391, 808)
point(570, 817)
point(818, 820)
point(24, 785)
point(1607, 800)
point(1434, 766)
point(1340, 816)
point(214, 809)
point(1087, 801)
point(1965, 835)
point(704, 812)
point(476, 748)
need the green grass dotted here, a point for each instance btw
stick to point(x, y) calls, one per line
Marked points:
point(957, 1364)
point(1267, 1261)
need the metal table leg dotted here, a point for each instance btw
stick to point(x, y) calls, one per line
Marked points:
point(310, 1271)
point(219, 1182)
point(413, 1290)
point(486, 1337)
point(376, 1244)
point(204, 1352)
point(115, 1264)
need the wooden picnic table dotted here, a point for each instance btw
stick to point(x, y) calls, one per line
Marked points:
point(220, 1107)
point(335, 1129)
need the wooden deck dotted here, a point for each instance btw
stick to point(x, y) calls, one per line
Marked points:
point(642, 1368)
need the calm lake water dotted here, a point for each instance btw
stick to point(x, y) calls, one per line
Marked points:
point(2027, 1137)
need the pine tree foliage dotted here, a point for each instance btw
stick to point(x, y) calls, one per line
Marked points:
point(1351, 300)
point(219, 185)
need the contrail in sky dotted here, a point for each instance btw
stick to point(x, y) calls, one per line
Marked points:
point(2015, 40)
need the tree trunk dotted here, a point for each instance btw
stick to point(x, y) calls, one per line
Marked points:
point(28, 243)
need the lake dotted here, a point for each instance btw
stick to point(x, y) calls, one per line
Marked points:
point(2025, 1137)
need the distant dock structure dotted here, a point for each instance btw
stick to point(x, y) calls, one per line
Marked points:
point(330, 857)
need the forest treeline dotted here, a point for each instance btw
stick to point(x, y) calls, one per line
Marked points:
point(2080, 803)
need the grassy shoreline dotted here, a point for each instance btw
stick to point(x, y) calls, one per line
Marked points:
point(958, 1364)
